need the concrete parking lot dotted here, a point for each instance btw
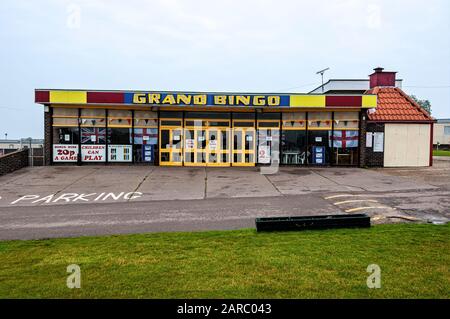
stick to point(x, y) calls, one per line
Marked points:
point(98, 200)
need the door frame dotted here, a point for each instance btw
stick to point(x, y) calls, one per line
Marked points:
point(163, 149)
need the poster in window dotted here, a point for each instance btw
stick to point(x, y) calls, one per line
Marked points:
point(147, 153)
point(369, 139)
point(212, 145)
point(378, 142)
point(119, 153)
point(144, 136)
point(93, 153)
point(264, 154)
point(190, 143)
point(65, 153)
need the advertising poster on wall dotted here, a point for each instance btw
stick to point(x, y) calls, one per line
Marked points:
point(119, 153)
point(369, 139)
point(378, 142)
point(65, 153)
point(93, 153)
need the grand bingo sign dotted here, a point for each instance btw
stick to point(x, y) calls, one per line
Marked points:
point(179, 99)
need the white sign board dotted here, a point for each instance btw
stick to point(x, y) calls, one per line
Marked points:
point(119, 153)
point(93, 153)
point(65, 153)
point(369, 139)
point(378, 142)
point(190, 143)
point(319, 139)
point(264, 154)
point(212, 145)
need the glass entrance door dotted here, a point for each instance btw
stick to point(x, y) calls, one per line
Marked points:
point(170, 141)
point(207, 142)
point(268, 141)
point(244, 143)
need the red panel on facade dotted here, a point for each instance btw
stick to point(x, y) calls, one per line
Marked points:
point(42, 96)
point(344, 101)
point(105, 97)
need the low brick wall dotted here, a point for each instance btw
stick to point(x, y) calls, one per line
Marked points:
point(13, 161)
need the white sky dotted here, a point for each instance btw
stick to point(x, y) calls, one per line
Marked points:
point(228, 45)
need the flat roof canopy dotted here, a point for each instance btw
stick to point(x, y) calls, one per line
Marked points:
point(203, 99)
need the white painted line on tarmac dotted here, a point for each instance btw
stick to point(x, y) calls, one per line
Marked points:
point(342, 195)
point(368, 207)
point(356, 201)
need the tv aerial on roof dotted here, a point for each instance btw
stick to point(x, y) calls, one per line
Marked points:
point(321, 72)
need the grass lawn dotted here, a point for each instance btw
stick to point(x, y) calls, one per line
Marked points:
point(441, 153)
point(414, 261)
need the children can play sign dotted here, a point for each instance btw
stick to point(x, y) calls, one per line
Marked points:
point(65, 153)
point(93, 153)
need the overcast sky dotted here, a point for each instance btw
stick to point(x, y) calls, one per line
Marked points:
point(228, 45)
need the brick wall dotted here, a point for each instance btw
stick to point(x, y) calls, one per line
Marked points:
point(367, 157)
point(13, 161)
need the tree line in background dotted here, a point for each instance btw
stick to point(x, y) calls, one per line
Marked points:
point(424, 104)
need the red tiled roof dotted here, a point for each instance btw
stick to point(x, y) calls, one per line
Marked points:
point(395, 105)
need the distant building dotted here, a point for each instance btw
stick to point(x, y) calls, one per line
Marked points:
point(347, 86)
point(441, 138)
point(37, 146)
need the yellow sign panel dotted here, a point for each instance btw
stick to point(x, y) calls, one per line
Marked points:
point(369, 101)
point(76, 97)
point(308, 101)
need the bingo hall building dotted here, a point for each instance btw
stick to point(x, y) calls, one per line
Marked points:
point(366, 122)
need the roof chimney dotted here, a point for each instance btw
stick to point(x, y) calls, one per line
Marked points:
point(382, 78)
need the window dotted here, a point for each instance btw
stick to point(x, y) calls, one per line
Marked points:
point(65, 135)
point(65, 117)
point(293, 138)
point(346, 120)
point(294, 120)
point(293, 147)
point(93, 118)
point(345, 138)
point(319, 121)
point(119, 118)
point(318, 147)
point(446, 130)
point(119, 136)
point(145, 119)
point(93, 135)
point(345, 143)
